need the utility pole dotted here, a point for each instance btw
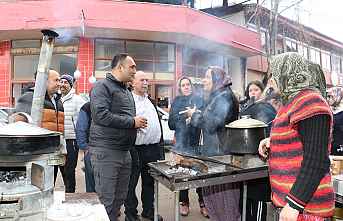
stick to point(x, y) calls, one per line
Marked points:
point(273, 26)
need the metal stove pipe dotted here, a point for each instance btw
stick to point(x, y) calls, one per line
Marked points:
point(42, 75)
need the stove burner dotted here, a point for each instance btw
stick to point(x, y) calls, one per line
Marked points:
point(12, 176)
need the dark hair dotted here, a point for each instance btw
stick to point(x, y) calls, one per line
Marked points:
point(272, 96)
point(179, 83)
point(219, 78)
point(118, 59)
point(257, 83)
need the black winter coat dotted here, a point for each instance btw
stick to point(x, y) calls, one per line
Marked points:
point(113, 111)
point(186, 136)
point(221, 108)
point(261, 111)
point(337, 143)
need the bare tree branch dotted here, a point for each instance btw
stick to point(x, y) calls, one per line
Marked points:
point(256, 9)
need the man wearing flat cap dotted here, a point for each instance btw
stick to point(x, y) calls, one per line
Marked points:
point(72, 104)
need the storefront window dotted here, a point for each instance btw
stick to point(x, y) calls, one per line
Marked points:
point(164, 52)
point(140, 50)
point(66, 41)
point(156, 59)
point(24, 66)
point(26, 44)
point(196, 62)
point(146, 66)
point(64, 63)
point(165, 61)
point(106, 48)
point(143, 53)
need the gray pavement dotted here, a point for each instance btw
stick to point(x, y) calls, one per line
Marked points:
point(166, 197)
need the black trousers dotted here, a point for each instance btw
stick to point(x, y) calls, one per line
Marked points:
point(70, 165)
point(112, 170)
point(62, 172)
point(259, 193)
point(185, 199)
point(256, 210)
point(142, 155)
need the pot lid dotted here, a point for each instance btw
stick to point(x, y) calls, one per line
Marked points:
point(22, 129)
point(246, 123)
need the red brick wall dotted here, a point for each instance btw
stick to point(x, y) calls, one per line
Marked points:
point(85, 63)
point(5, 73)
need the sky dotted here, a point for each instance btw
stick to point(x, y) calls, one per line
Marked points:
point(325, 16)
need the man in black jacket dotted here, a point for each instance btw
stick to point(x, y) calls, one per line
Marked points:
point(113, 133)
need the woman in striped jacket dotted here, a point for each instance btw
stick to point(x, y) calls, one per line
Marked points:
point(300, 141)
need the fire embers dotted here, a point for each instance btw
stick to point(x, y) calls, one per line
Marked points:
point(12, 176)
point(179, 170)
point(191, 167)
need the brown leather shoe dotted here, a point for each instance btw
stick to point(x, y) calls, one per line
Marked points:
point(204, 211)
point(184, 209)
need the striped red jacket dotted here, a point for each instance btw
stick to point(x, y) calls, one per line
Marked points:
point(287, 154)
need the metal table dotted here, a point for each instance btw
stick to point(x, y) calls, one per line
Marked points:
point(244, 168)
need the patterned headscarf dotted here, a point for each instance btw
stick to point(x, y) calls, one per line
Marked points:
point(219, 78)
point(293, 73)
point(335, 95)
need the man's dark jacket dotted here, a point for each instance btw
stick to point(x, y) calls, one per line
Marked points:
point(113, 111)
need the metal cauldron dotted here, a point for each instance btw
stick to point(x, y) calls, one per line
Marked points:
point(244, 135)
point(21, 138)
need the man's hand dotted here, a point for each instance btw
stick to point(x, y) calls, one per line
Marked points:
point(85, 152)
point(263, 148)
point(141, 122)
point(288, 214)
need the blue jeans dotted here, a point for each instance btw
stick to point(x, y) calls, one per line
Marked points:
point(89, 175)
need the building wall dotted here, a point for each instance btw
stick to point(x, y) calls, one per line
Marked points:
point(236, 18)
point(5, 73)
point(254, 75)
point(237, 75)
point(85, 64)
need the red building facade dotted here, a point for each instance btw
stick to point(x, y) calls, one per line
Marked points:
point(166, 41)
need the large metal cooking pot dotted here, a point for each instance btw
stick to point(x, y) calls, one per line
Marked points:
point(21, 138)
point(244, 135)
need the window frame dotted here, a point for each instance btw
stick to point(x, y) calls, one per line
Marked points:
point(154, 60)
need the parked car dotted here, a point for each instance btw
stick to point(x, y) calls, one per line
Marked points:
point(168, 135)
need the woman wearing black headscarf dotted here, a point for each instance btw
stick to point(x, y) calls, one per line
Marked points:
point(334, 100)
point(221, 108)
point(186, 136)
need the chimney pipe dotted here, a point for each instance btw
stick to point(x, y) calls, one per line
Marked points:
point(42, 75)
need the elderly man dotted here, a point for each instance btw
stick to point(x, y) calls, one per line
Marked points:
point(113, 133)
point(147, 149)
point(53, 112)
point(72, 104)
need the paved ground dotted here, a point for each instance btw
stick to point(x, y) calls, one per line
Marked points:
point(166, 198)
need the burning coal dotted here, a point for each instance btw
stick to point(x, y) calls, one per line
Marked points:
point(12, 176)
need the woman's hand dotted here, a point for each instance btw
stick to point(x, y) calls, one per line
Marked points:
point(263, 148)
point(288, 214)
point(190, 112)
